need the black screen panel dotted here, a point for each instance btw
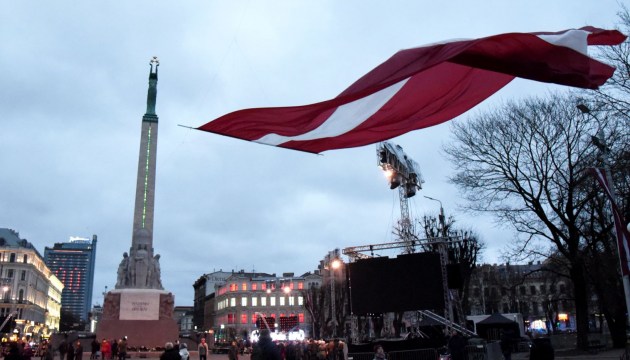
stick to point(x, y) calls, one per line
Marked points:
point(407, 282)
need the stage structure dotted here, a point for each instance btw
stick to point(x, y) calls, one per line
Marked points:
point(139, 307)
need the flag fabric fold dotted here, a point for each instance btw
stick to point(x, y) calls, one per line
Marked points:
point(623, 235)
point(425, 86)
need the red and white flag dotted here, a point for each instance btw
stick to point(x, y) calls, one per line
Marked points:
point(425, 86)
point(623, 235)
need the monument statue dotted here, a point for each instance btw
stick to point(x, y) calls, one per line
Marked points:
point(137, 269)
point(139, 308)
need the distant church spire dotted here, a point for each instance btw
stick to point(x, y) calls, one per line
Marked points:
point(140, 268)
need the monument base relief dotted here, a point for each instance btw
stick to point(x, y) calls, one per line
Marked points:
point(144, 316)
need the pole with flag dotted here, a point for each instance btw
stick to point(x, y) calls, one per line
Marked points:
point(604, 178)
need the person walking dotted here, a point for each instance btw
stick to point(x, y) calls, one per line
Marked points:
point(27, 351)
point(506, 344)
point(70, 351)
point(43, 349)
point(95, 348)
point(122, 348)
point(78, 351)
point(203, 350)
point(183, 351)
point(233, 351)
point(457, 345)
point(170, 353)
point(106, 349)
point(63, 348)
point(114, 346)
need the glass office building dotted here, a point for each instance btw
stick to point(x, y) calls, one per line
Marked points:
point(73, 263)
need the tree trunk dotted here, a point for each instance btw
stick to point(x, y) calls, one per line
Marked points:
point(581, 303)
point(617, 326)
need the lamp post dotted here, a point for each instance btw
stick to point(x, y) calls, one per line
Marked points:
point(600, 143)
point(440, 217)
point(334, 264)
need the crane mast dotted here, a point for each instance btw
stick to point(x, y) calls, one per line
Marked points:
point(404, 174)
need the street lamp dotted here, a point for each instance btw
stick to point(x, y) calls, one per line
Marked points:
point(334, 264)
point(441, 218)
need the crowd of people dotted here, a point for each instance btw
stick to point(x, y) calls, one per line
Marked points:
point(266, 349)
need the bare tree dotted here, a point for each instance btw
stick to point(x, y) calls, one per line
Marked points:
point(614, 94)
point(524, 163)
point(314, 298)
point(465, 251)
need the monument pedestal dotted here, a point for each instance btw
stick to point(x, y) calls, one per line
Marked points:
point(144, 316)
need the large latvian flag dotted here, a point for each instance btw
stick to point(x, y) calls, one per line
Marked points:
point(424, 86)
point(623, 236)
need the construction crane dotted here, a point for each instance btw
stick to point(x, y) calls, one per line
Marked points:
point(403, 174)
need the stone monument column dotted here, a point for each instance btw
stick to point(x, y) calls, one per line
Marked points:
point(139, 307)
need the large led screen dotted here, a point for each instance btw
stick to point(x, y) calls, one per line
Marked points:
point(407, 282)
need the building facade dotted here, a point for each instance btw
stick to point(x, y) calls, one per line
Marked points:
point(544, 300)
point(73, 263)
point(203, 303)
point(31, 293)
point(184, 317)
point(245, 298)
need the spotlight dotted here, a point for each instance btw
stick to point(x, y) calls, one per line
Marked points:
point(395, 181)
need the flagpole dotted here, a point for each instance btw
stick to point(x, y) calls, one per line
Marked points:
point(600, 142)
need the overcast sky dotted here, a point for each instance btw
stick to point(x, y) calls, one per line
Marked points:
point(73, 91)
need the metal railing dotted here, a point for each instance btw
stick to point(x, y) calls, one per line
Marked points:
point(489, 351)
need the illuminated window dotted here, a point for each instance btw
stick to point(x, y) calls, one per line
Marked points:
point(281, 300)
point(300, 300)
point(244, 286)
point(272, 301)
point(232, 302)
point(263, 301)
point(301, 317)
point(244, 301)
point(263, 286)
point(233, 287)
point(291, 285)
point(291, 300)
point(230, 318)
point(254, 318)
point(254, 286)
point(300, 285)
point(254, 301)
point(243, 318)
